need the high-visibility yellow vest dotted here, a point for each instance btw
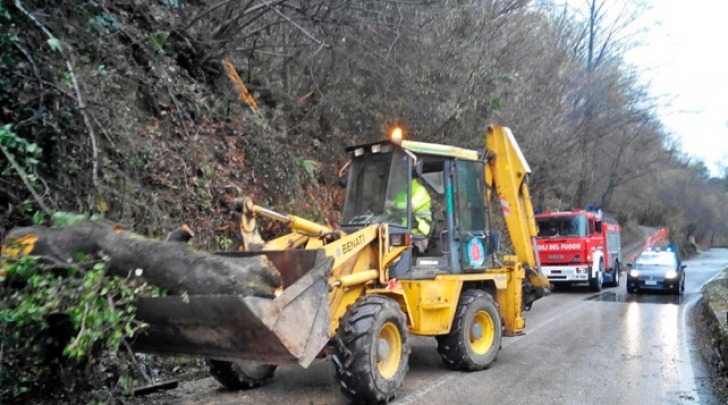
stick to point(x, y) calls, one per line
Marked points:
point(421, 207)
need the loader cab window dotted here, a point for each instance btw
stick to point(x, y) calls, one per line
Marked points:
point(373, 180)
point(469, 198)
point(469, 209)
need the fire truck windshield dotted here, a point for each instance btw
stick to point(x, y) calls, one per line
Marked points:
point(562, 226)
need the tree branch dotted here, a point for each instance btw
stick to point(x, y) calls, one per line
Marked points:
point(306, 33)
point(24, 177)
point(36, 73)
point(216, 6)
point(399, 23)
point(82, 329)
point(77, 89)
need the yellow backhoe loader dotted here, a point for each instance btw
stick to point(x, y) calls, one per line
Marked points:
point(355, 293)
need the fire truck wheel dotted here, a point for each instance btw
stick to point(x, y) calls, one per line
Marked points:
point(371, 350)
point(595, 283)
point(475, 336)
point(236, 375)
point(615, 277)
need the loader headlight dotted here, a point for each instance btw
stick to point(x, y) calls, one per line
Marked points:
point(671, 274)
point(634, 273)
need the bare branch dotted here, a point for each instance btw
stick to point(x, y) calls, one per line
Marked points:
point(82, 329)
point(399, 10)
point(182, 118)
point(306, 33)
point(206, 12)
point(36, 73)
point(77, 89)
point(24, 177)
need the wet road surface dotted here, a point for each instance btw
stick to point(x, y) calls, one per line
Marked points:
point(580, 347)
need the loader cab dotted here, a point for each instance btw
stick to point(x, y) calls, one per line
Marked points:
point(456, 242)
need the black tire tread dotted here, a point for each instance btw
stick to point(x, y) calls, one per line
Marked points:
point(615, 279)
point(227, 374)
point(594, 284)
point(452, 346)
point(352, 344)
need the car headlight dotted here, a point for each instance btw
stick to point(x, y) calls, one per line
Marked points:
point(671, 274)
point(634, 273)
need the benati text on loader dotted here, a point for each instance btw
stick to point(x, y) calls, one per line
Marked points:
point(357, 292)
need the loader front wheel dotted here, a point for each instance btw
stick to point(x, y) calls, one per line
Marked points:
point(475, 336)
point(371, 350)
point(237, 375)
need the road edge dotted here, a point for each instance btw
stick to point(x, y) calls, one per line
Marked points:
point(714, 320)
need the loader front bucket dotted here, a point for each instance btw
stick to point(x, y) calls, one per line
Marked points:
point(289, 329)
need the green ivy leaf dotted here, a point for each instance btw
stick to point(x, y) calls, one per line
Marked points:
point(32, 148)
point(38, 218)
point(4, 12)
point(158, 39)
point(55, 44)
point(496, 103)
point(61, 219)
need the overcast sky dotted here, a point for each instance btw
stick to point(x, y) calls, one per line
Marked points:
point(682, 53)
point(684, 56)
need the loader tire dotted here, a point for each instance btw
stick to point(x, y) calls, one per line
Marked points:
point(371, 350)
point(237, 375)
point(475, 336)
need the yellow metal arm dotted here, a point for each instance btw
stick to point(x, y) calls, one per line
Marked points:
point(507, 171)
point(249, 230)
point(294, 222)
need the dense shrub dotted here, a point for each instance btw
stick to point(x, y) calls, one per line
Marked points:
point(62, 326)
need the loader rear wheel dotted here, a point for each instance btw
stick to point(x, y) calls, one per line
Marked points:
point(236, 375)
point(475, 336)
point(371, 350)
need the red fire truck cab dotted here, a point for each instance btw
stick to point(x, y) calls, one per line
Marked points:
point(579, 247)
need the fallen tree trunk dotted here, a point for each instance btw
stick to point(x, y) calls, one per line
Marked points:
point(170, 265)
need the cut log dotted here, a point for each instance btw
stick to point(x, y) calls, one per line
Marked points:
point(169, 265)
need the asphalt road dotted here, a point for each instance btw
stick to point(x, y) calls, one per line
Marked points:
point(580, 347)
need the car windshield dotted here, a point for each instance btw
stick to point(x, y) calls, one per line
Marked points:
point(651, 260)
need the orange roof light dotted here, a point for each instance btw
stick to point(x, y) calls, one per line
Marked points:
point(396, 135)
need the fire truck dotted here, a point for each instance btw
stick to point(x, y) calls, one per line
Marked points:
point(579, 247)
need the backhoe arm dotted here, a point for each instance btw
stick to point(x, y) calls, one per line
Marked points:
point(506, 172)
point(252, 240)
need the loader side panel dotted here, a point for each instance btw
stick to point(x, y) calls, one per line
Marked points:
point(432, 304)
